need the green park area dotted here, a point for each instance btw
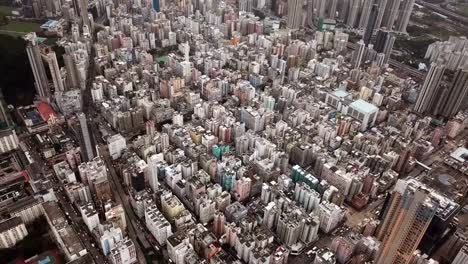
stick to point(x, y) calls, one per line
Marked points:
point(18, 28)
point(14, 28)
point(5, 11)
point(162, 59)
point(462, 8)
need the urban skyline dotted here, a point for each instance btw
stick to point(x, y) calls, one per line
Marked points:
point(229, 132)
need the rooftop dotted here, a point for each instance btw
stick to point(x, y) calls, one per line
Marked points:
point(86, 259)
point(363, 106)
point(10, 223)
point(26, 202)
point(340, 93)
point(49, 24)
point(460, 154)
point(46, 111)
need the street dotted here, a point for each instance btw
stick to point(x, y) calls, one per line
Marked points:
point(120, 198)
point(81, 229)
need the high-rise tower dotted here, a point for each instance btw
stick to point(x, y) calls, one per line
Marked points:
point(382, 4)
point(388, 47)
point(370, 25)
point(406, 219)
point(320, 6)
point(380, 39)
point(353, 12)
point(35, 59)
point(391, 14)
point(157, 5)
point(394, 14)
point(84, 12)
point(452, 100)
point(332, 10)
point(310, 14)
point(51, 59)
point(5, 119)
point(72, 75)
point(462, 256)
point(294, 14)
point(87, 148)
point(427, 98)
point(405, 14)
point(358, 54)
point(365, 13)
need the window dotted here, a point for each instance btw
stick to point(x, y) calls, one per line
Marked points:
point(360, 116)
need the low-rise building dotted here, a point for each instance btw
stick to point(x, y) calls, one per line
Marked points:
point(12, 231)
point(63, 233)
point(116, 144)
point(123, 252)
point(28, 209)
point(157, 224)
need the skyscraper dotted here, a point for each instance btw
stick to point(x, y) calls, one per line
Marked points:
point(245, 5)
point(358, 54)
point(384, 41)
point(382, 4)
point(409, 213)
point(84, 11)
point(353, 12)
point(380, 39)
point(395, 15)
point(219, 224)
point(87, 148)
point(320, 7)
point(452, 99)
point(51, 59)
point(5, 119)
point(343, 9)
point(332, 9)
point(294, 14)
point(365, 13)
point(370, 25)
point(151, 172)
point(37, 66)
point(72, 75)
point(156, 5)
point(310, 13)
point(150, 128)
point(462, 256)
point(405, 14)
point(427, 98)
point(391, 14)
